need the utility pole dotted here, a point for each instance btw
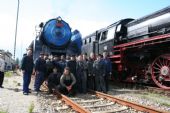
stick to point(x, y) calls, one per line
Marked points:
point(16, 28)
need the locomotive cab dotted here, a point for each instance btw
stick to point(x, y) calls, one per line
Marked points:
point(113, 35)
point(104, 39)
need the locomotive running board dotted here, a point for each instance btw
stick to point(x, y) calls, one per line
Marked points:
point(148, 41)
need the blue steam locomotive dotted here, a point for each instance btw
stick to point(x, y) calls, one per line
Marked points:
point(56, 38)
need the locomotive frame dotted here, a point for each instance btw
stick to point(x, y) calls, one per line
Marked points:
point(156, 67)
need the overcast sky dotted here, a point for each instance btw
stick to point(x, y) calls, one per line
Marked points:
point(84, 15)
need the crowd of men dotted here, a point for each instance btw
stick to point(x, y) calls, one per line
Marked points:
point(68, 75)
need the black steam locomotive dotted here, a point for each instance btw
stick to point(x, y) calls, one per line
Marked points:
point(138, 48)
point(127, 30)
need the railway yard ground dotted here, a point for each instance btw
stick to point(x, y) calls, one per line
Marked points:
point(12, 99)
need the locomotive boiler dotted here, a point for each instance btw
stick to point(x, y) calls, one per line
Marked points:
point(56, 38)
point(139, 49)
point(151, 25)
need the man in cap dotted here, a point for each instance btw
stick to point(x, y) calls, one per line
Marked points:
point(40, 70)
point(99, 71)
point(108, 69)
point(27, 69)
point(54, 80)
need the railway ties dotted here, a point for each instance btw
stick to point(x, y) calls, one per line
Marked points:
point(97, 102)
point(52, 104)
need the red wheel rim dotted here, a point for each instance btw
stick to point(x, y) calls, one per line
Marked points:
point(161, 71)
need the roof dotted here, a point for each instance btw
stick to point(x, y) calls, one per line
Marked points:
point(153, 15)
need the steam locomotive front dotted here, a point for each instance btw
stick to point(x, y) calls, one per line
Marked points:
point(56, 33)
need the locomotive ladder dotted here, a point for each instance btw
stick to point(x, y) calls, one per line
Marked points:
point(117, 57)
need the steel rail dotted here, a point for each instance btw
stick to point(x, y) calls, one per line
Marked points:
point(127, 103)
point(71, 103)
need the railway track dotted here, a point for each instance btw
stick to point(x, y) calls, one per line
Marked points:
point(52, 104)
point(97, 102)
point(142, 87)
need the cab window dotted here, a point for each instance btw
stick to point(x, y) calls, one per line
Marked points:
point(85, 42)
point(98, 36)
point(89, 39)
point(104, 36)
point(111, 33)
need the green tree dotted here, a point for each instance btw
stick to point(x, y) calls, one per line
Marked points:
point(17, 61)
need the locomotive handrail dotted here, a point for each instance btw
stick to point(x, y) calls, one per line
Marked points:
point(159, 37)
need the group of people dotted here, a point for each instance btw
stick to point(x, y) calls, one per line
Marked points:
point(70, 75)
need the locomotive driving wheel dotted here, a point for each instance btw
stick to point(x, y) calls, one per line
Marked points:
point(161, 71)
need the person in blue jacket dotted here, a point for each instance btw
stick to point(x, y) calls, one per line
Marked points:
point(40, 70)
point(108, 69)
point(27, 69)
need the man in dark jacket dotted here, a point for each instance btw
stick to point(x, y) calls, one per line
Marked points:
point(62, 63)
point(72, 65)
point(40, 70)
point(99, 70)
point(54, 80)
point(90, 77)
point(56, 63)
point(27, 68)
point(49, 66)
point(108, 69)
point(81, 75)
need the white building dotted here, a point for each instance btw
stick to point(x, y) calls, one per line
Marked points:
point(7, 56)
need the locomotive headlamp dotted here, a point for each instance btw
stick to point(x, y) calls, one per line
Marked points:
point(59, 22)
point(59, 19)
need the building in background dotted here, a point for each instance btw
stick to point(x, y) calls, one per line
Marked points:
point(9, 62)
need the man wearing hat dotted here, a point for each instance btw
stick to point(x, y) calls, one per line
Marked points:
point(72, 65)
point(40, 70)
point(54, 80)
point(99, 71)
point(27, 68)
point(108, 69)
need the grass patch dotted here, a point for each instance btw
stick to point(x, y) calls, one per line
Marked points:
point(165, 104)
point(157, 98)
point(8, 74)
point(1, 111)
point(31, 108)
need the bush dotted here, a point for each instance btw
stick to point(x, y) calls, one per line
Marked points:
point(31, 107)
point(8, 74)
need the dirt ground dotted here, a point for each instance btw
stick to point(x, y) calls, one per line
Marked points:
point(12, 99)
